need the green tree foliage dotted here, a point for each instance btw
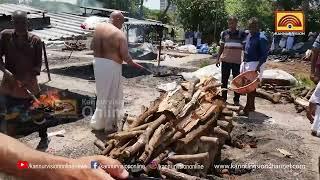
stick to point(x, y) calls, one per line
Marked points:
point(166, 18)
point(245, 9)
point(207, 15)
point(264, 10)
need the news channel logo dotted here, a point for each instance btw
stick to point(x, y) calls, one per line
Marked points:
point(290, 22)
point(95, 164)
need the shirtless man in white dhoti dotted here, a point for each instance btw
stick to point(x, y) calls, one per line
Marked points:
point(110, 48)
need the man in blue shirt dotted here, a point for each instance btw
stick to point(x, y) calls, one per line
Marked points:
point(255, 55)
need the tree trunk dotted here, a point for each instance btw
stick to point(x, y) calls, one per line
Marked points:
point(141, 8)
point(165, 11)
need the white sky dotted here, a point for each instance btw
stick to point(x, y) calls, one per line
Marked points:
point(152, 4)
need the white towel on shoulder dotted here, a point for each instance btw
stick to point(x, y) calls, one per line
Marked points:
point(109, 106)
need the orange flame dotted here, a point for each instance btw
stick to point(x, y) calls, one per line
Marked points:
point(47, 100)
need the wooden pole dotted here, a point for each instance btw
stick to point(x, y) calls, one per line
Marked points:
point(160, 45)
point(128, 32)
point(46, 60)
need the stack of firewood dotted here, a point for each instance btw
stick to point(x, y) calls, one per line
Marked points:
point(187, 126)
point(289, 94)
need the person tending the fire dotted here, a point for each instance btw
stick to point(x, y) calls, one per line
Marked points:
point(255, 55)
point(23, 60)
point(110, 48)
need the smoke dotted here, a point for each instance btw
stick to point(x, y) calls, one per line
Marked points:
point(133, 35)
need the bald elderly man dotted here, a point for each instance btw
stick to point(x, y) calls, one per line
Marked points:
point(110, 48)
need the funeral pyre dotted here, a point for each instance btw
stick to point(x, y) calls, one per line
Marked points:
point(184, 127)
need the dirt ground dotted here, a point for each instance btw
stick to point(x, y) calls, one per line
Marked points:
point(294, 68)
point(272, 126)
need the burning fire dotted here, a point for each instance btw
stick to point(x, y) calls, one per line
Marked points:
point(46, 100)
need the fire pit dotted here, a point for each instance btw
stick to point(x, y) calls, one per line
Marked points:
point(51, 107)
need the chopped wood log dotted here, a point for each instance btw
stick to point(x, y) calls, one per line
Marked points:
point(142, 127)
point(109, 146)
point(274, 98)
point(118, 145)
point(173, 174)
point(202, 82)
point(197, 132)
point(234, 108)
point(125, 134)
point(154, 108)
point(227, 112)
point(190, 104)
point(154, 142)
point(119, 153)
point(302, 102)
point(144, 138)
point(191, 122)
point(211, 86)
point(207, 139)
point(173, 102)
point(191, 90)
point(177, 135)
point(191, 125)
point(221, 134)
point(169, 134)
point(210, 144)
point(189, 158)
point(99, 144)
point(185, 121)
point(308, 95)
point(215, 108)
point(286, 88)
point(157, 160)
point(226, 118)
point(227, 126)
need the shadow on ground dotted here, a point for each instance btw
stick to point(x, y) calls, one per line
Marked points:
point(86, 72)
point(254, 117)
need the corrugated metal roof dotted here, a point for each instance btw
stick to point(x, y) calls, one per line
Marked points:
point(63, 25)
point(8, 9)
point(133, 21)
point(103, 9)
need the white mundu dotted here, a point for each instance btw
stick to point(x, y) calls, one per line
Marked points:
point(315, 98)
point(109, 106)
